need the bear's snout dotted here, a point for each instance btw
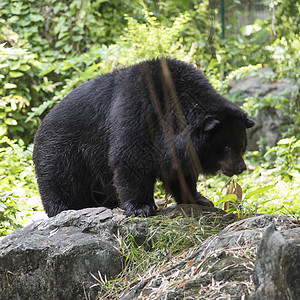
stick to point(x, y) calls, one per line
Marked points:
point(241, 167)
point(232, 167)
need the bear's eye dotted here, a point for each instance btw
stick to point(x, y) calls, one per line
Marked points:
point(227, 149)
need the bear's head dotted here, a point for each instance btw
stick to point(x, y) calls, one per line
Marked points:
point(225, 144)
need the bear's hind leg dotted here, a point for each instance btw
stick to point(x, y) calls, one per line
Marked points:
point(59, 195)
point(104, 193)
point(53, 210)
point(52, 198)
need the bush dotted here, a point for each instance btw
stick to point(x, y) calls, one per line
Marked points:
point(21, 88)
point(153, 40)
point(17, 183)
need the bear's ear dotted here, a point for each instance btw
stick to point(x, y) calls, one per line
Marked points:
point(249, 123)
point(210, 123)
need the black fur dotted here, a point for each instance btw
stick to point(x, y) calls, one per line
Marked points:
point(108, 141)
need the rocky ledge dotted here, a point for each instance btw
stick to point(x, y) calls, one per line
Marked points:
point(61, 257)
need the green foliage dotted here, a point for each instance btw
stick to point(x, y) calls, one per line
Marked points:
point(159, 192)
point(18, 68)
point(16, 173)
point(17, 182)
point(56, 28)
point(241, 207)
point(285, 157)
point(10, 207)
point(286, 46)
point(71, 73)
point(272, 185)
point(154, 40)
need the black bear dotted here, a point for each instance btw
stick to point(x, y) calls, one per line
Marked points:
point(107, 142)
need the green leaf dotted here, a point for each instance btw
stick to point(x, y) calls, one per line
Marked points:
point(15, 66)
point(15, 74)
point(13, 105)
point(13, 19)
point(260, 191)
point(270, 151)
point(76, 38)
point(24, 68)
point(19, 128)
point(9, 86)
point(297, 144)
point(284, 142)
point(68, 48)
point(36, 18)
point(10, 121)
point(3, 66)
point(24, 23)
point(229, 197)
point(3, 130)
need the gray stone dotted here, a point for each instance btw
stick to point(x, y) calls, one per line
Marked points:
point(270, 121)
point(56, 258)
point(221, 268)
point(71, 255)
point(261, 83)
point(268, 129)
point(277, 268)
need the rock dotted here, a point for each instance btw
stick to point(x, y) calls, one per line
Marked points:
point(221, 268)
point(270, 122)
point(70, 256)
point(268, 129)
point(258, 83)
point(277, 268)
point(61, 257)
point(55, 258)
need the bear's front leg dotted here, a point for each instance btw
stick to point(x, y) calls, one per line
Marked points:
point(135, 191)
point(184, 191)
point(201, 200)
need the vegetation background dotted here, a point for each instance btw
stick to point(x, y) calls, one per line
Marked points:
point(48, 47)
